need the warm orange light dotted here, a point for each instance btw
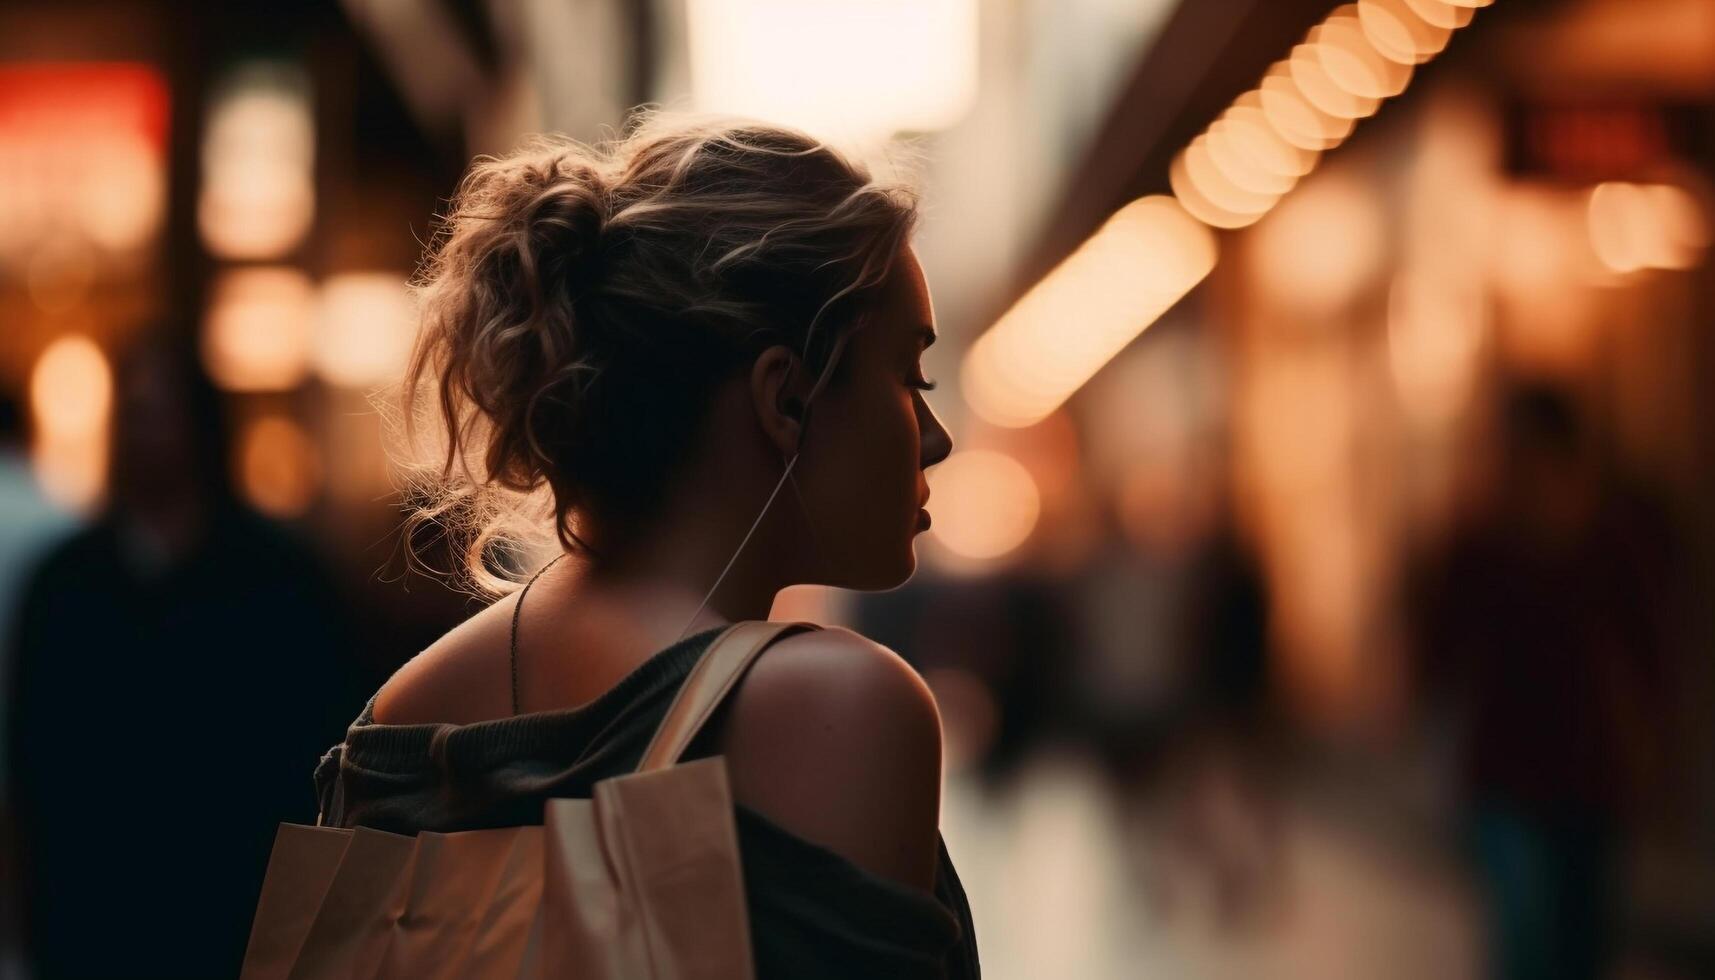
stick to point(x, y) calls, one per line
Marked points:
point(1684, 222)
point(1352, 62)
point(1322, 246)
point(1251, 132)
point(1122, 279)
point(1400, 32)
point(984, 503)
point(1619, 216)
point(256, 335)
point(1296, 118)
point(1441, 13)
point(1216, 186)
point(1199, 206)
point(258, 197)
point(279, 469)
point(71, 389)
point(71, 397)
point(1655, 226)
point(1298, 419)
point(1435, 332)
point(365, 327)
point(1311, 76)
point(1238, 162)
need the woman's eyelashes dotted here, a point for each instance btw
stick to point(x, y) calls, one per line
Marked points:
point(923, 384)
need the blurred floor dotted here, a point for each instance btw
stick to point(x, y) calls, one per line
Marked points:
point(1051, 898)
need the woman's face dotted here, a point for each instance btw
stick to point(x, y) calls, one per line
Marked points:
point(870, 436)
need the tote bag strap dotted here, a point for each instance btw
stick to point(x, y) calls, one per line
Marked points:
point(719, 670)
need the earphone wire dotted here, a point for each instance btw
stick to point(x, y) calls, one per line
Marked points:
point(815, 389)
point(740, 549)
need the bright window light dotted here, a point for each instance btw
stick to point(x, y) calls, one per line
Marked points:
point(857, 70)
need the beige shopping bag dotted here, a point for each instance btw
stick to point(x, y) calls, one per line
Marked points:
point(301, 867)
point(640, 882)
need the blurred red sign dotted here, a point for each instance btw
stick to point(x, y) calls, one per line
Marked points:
point(1597, 142)
point(83, 149)
point(56, 100)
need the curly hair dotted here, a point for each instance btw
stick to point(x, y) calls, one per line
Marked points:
point(580, 304)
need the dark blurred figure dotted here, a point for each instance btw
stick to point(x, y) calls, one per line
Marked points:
point(1174, 694)
point(28, 522)
point(29, 525)
point(1545, 631)
point(1225, 808)
point(175, 669)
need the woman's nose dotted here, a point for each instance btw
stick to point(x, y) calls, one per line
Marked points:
point(937, 441)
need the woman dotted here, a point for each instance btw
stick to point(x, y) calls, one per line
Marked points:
point(635, 335)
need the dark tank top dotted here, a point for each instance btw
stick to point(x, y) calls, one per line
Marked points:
point(812, 912)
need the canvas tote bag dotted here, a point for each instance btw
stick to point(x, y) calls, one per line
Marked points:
point(640, 882)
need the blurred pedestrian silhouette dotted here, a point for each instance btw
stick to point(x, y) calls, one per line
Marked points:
point(1544, 635)
point(176, 668)
point(29, 524)
point(1189, 754)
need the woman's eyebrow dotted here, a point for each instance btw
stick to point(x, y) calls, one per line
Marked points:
point(928, 335)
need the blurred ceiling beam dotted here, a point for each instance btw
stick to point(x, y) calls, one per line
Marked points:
point(1208, 52)
point(433, 55)
point(470, 18)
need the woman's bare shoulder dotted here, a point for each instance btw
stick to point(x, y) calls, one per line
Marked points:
point(837, 739)
point(457, 679)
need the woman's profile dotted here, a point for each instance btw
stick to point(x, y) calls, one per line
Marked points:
point(690, 356)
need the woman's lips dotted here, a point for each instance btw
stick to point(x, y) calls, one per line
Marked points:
point(922, 519)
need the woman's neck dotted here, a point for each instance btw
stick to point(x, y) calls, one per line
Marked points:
point(669, 571)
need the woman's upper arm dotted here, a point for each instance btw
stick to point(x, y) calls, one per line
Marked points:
point(835, 738)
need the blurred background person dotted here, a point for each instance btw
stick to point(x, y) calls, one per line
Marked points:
point(173, 665)
point(29, 524)
point(1175, 692)
point(1546, 637)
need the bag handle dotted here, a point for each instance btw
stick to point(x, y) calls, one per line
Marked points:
point(719, 670)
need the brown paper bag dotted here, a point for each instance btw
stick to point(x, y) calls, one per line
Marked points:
point(644, 880)
point(468, 907)
point(300, 868)
point(357, 915)
point(641, 882)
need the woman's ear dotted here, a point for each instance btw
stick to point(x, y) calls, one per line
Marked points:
point(778, 393)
